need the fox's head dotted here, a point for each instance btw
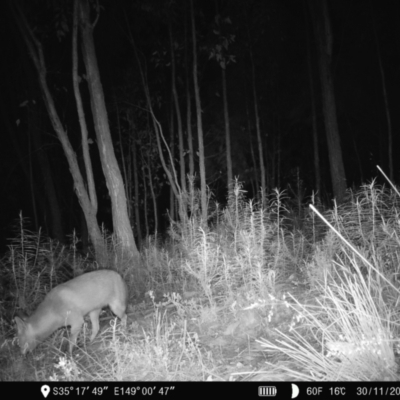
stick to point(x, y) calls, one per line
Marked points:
point(26, 336)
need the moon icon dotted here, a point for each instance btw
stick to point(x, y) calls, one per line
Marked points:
point(295, 391)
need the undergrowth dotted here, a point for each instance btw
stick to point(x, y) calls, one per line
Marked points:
point(255, 294)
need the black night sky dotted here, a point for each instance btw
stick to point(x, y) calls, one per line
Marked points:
point(365, 34)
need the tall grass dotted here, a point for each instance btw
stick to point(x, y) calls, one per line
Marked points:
point(271, 294)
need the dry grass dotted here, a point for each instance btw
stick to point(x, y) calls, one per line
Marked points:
point(251, 298)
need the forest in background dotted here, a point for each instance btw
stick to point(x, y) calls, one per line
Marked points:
point(126, 125)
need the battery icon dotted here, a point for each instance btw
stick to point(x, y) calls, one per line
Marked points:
point(266, 391)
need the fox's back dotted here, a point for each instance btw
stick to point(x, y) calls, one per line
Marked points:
point(89, 291)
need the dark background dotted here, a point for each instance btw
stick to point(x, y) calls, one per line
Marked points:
point(278, 31)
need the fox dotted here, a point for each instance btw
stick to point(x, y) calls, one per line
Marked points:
point(68, 303)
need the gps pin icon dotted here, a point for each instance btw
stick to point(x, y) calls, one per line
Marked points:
point(45, 390)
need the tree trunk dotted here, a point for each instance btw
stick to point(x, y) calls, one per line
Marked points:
point(227, 132)
point(385, 99)
point(257, 118)
point(112, 173)
point(172, 149)
point(136, 185)
point(258, 131)
point(146, 211)
point(32, 190)
point(253, 157)
point(278, 178)
point(188, 99)
point(153, 196)
point(81, 113)
point(203, 186)
point(178, 114)
point(189, 130)
point(126, 166)
point(317, 167)
point(324, 39)
point(36, 54)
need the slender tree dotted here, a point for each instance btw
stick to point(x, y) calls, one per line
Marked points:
point(188, 97)
point(221, 55)
point(147, 165)
point(257, 117)
point(170, 173)
point(178, 112)
point(87, 200)
point(258, 132)
point(200, 135)
point(136, 185)
point(324, 39)
point(112, 173)
point(317, 167)
point(385, 97)
point(126, 165)
point(172, 159)
point(35, 50)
